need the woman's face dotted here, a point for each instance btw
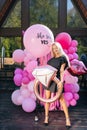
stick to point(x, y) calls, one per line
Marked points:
point(55, 50)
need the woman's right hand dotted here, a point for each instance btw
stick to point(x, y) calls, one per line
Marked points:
point(53, 76)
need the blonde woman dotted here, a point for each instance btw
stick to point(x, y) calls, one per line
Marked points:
point(60, 61)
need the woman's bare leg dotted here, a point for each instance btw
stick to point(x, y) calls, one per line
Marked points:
point(47, 105)
point(65, 108)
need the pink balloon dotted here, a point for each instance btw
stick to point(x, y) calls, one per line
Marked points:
point(31, 86)
point(28, 105)
point(71, 50)
point(74, 43)
point(31, 65)
point(70, 56)
point(68, 96)
point(18, 55)
point(25, 93)
point(75, 56)
point(64, 39)
point(68, 87)
point(20, 99)
point(29, 56)
point(33, 96)
point(75, 49)
point(70, 79)
point(73, 102)
point(37, 40)
point(18, 71)
point(76, 88)
point(26, 61)
point(76, 96)
point(23, 86)
point(15, 96)
point(18, 79)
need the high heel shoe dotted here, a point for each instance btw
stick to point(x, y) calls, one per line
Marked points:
point(46, 122)
point(68, 127)
point(68, 124)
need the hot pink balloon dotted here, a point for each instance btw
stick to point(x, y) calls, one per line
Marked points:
point(25, 80)
point(64, 39)
point(18, 55)
point(37, 40)
point(31, 77)
point(28, 105)
point(25, 73)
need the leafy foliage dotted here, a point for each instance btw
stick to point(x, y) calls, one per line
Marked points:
point(10, 44)
point(44, 12)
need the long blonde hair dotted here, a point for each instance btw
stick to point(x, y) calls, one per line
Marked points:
point(60, 50)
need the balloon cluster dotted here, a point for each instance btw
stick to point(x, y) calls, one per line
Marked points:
point(37, 40)
point(69, 45)
point(71, 87)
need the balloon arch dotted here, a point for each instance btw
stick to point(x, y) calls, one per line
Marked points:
point(37, 40)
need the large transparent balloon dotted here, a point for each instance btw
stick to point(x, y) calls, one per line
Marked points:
point(37, 40)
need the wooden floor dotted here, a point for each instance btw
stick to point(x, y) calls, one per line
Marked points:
point(13, 117)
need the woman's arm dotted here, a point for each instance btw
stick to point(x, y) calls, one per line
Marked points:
point(62, 72)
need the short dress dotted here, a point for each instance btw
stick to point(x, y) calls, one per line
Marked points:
point(56, 63)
